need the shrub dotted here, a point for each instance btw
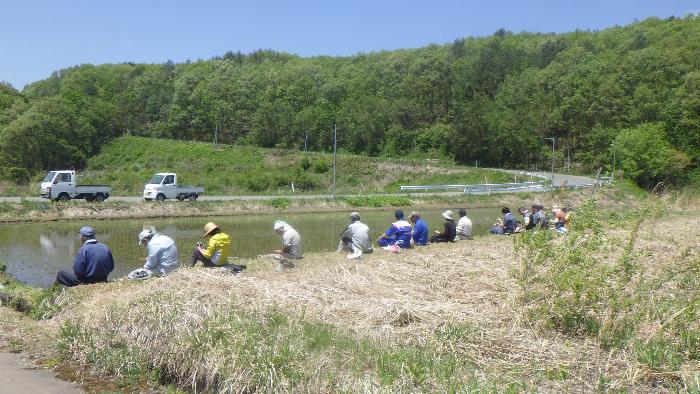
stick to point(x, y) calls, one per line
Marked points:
point(568, 284)
point(321, 166)
point(280, 203)
point(17, 174)
point(378, 201)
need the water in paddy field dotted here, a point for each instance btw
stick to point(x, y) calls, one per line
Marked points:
point(34, 252)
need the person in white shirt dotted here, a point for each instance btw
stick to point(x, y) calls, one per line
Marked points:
point(291, 244)
point(355, 238)
point(464, 226)
point(162, 255)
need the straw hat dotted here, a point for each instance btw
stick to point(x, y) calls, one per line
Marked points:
point(209, 227)
point(447, 215)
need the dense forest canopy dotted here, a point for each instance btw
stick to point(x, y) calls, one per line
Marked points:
point(631, 92)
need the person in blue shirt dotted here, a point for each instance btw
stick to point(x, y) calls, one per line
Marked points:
point(93, 263)
point(399, 233)
point(508, 226)
point(420, 229)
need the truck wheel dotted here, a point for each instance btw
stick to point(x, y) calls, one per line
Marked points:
point(160, 197)
point(99, 197)
point(193, 197)
point(63, 197)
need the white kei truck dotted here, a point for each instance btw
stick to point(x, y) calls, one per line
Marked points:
point(61, 186)
point(164, 186)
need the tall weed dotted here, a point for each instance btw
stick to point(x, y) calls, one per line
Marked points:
point(590, 283)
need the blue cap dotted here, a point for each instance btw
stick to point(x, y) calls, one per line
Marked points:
point(87, 232)
point(398, 214)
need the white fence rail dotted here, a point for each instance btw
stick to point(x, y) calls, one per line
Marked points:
point(488, 188)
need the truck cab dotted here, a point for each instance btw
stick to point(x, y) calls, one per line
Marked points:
point(164, 186)
point(61, 185)
point(57, 182)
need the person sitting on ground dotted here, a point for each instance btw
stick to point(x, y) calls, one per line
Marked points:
point(464, 226)
point(162, 255)
point(355, 238)
point(291, 244)
point(217, 250)
point(508, 225)
point(399, 233)
point(449, 231)
point(538, 219)
point(420, 230)
point(93, 262)
point(561, 218)
point(527, 216)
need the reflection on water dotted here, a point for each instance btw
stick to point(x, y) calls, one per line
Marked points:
point(35, 252)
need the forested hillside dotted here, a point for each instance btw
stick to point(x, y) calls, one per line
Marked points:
point(631, 92)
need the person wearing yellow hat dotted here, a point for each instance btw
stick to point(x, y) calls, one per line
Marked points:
point(217, 250)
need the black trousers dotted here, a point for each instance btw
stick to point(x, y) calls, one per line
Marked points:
point(198, 256)
point(440, 238)
point(68, 279)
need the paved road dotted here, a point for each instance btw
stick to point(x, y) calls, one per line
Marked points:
point(17, 375)
point(243, 198)
point(571, 180)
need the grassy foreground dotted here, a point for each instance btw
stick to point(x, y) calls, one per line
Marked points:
point(612, 306)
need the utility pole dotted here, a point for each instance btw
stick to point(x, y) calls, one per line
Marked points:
point(306, 140)
point(612, 176)
point(335, 145)
point(552, 138)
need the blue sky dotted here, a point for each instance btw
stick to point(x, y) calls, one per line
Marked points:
point(39, 37)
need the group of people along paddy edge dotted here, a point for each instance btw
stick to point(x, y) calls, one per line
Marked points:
point(94, 261)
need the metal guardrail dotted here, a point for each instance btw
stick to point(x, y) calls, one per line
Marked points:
point(479, 188)
point(488, 188)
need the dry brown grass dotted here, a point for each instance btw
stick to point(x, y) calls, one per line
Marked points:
point(404, 299)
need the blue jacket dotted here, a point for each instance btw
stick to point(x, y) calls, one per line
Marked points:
point(509, 223)
point(93, 262)
point(420, 232)
point(400, 230)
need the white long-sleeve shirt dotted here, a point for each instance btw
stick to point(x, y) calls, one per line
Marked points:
point(162, 255)
point(464, 228)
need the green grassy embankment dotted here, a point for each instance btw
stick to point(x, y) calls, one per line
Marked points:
point(128, 162)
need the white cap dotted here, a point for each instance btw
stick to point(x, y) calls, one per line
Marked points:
point(447, 215)
point(278, 225)
point(145, 234)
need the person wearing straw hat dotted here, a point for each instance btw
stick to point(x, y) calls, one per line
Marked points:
point(291, 244)
point(355, 238)
point(449, 232)
point(162, 255)
point(93, 263)
point(217, 250)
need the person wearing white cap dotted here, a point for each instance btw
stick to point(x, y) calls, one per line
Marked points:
point(355, 238)
point(291, 243)
point(93, 262)
point(449, 233)
point(162, 255)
